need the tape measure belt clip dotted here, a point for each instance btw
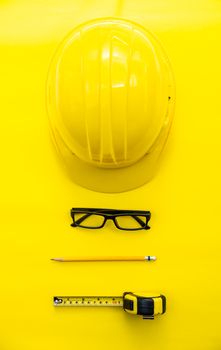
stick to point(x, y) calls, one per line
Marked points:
point(163, 303)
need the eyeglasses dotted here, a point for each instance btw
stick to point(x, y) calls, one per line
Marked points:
point(94, 218)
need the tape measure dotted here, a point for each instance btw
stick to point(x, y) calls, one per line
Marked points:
point(143, 304)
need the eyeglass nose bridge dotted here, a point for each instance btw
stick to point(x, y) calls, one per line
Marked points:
point(110, 217)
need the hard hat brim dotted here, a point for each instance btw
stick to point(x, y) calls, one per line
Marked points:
point(111, 180)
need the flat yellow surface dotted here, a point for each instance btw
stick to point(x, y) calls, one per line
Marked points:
point(36, 194)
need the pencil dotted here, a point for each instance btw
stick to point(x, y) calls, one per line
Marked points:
point(106, 258)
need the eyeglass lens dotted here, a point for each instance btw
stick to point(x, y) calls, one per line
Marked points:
point(88, 220)
point(131, 222)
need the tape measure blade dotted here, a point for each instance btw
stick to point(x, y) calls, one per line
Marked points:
point(74, 301)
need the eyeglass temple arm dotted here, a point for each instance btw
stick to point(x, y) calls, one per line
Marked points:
point(139, 221)
point(79, 221)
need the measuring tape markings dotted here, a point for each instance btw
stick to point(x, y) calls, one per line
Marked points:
point(88, 301)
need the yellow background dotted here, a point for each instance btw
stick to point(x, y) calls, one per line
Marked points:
point(36, 194)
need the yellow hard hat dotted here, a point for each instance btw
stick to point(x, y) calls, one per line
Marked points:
point(110, 98)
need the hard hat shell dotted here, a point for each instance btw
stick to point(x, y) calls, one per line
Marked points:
point(110, 99)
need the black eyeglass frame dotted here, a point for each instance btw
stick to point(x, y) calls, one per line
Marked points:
point(111, 214)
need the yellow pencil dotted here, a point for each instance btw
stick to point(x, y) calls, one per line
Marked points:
point(106, 258)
